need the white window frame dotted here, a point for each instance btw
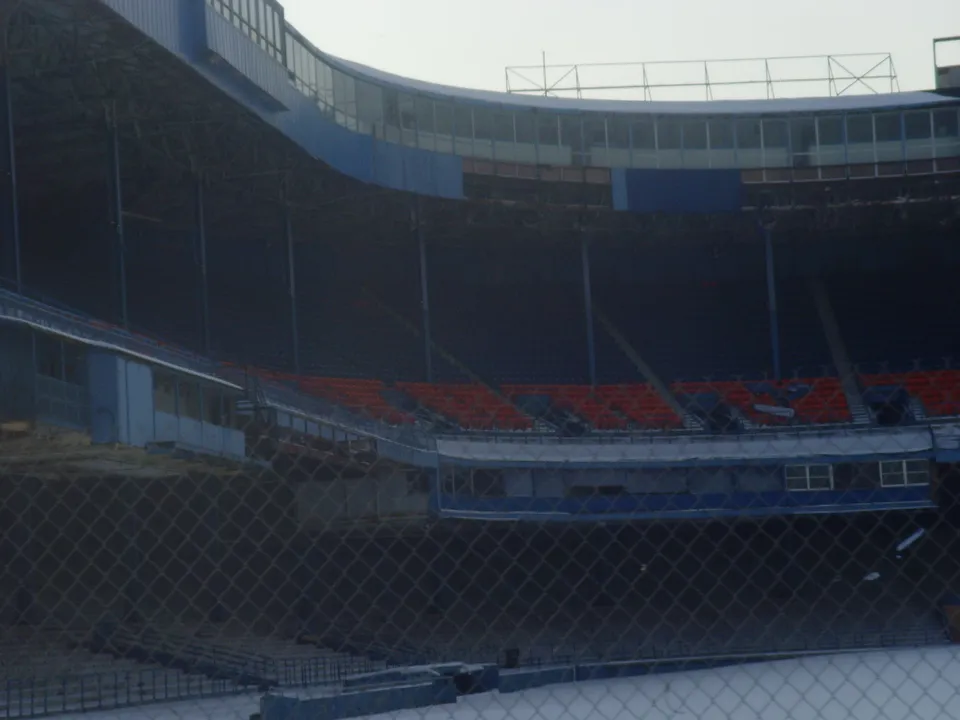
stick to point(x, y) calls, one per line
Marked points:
point(898, 473)
point(797, 472)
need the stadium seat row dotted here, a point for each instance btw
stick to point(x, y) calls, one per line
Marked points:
point(813, 401)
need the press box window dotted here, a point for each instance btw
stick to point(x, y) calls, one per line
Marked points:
point(902, 473)
point(809, 477)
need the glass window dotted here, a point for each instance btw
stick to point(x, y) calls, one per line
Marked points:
point(505, 136)
point(503, 130)
point(901, 473)
point(425, 123)
point(776, 134)
point(48, 351)
point(618, 132)
point(212, 406)
point(721, 135)
point(525, 124)
point(548, 130)
point(443, 113)
point(809, 477)
point(695, 135)
point(748, 134)
point(917, 125)
point(74, 363)
point(391, 114)
point(887, 127)
point(369, 108)
point(946, 132)
point(643, 135)
point(945, 123)
point(188, 399)
point(831, 148)
point(571, 139)
point(463, 128)
point(830, 131)
point(859, 128)
point(669, 134)
point(408, 119)
point(595, 132)
point(345, 99)
point(164, 393)
point(595, 140)
point(571, 132)
point(483, 131)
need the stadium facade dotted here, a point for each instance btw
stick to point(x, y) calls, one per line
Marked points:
point(328, 299)
point(661, 290)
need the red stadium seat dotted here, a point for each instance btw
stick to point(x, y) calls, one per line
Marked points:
point(360, 396)
point(472, 407)
point(938, 390)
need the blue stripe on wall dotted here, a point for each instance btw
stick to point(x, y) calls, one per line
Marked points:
point(683, 191)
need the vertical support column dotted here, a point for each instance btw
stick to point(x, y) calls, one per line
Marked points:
point(588, 310)
point(292, 287)
point(424, 293)
point(117, 235)
point(772, 301)
point(10, 268)
point(204, 308)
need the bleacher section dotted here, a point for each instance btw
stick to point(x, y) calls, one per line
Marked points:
point(40, 673)
point(238, 655)
point(801, 401)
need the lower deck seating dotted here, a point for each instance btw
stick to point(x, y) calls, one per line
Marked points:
point(938, 391)
point(472, 407)
point(813, 401)
point(363, 397)
point(635, 407)
point(43, 672)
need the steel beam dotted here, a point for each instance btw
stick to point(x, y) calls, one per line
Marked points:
point(588, 310)
point(202, 280)
point(772, 302)
point(424, 294)
point(10, 267)
point(115, 220)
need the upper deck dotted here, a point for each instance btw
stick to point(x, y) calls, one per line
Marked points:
point(385, 129)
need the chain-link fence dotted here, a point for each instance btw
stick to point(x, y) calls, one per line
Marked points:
point(355, 556)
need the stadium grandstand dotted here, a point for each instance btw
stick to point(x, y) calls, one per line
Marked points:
point(308, 371)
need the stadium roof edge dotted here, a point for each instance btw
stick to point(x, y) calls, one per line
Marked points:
point(842, 103)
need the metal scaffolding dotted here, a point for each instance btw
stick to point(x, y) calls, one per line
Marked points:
point(731, 79)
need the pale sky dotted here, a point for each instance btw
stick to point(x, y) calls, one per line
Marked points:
point(469, 43)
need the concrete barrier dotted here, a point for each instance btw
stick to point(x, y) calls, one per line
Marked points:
point(373, 701)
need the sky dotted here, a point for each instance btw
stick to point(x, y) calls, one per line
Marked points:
point(922, 684)
point(470, 43)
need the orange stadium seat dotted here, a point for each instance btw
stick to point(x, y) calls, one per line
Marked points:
point(360, 396)
point(938, 390)
point(473, 407)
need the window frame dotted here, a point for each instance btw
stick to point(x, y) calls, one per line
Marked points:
point(806, 475)
point(903, 472)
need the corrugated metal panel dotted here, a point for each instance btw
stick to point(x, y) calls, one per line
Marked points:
point(684, 191)
point(166, 21)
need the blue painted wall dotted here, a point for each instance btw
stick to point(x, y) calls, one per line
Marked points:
point(121, 400)
point(684, 505)
point(679, 191)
